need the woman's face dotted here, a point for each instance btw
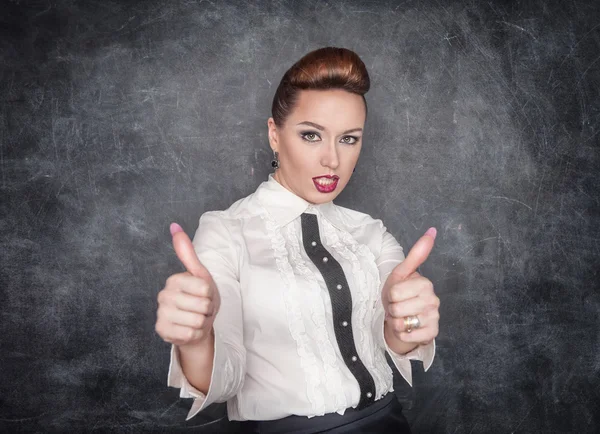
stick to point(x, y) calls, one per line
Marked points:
point(322, 136)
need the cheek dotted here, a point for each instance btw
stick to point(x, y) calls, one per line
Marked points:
point(300, 156)
point(351, 157)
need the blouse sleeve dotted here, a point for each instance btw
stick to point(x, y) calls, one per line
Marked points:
point(215, 249)
point(391, 255)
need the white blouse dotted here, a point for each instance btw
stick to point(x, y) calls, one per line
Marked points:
point(276, 352)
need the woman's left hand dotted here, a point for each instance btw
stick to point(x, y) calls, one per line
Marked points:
point(407, 294)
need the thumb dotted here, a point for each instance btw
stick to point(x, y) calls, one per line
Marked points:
point(417, 255)
point(186, 253)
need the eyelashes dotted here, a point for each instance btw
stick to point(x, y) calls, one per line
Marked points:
point(307, 134)
point(312, 137)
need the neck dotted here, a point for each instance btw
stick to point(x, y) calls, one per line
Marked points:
point(277, 176)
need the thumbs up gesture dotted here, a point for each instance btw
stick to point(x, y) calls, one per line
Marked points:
point(408, 294)
point(189, 302)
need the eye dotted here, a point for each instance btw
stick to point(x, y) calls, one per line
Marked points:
point(350, 140)
point(310, 136)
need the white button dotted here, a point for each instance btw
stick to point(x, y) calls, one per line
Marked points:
point(339, 286)
point(314, 243)
point(369, 394)
point(325, 259)
point(345, 323)
point(354, 358)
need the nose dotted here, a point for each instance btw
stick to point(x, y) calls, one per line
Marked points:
point(330, 157)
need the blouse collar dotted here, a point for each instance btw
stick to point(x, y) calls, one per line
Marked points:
point(285, 206)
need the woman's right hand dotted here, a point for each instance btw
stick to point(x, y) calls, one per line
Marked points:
point(189, 302)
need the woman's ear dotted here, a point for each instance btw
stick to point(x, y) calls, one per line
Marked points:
point(273, 134)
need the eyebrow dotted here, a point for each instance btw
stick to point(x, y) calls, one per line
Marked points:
point(319, 127)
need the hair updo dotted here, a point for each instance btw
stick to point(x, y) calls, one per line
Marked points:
point(322, 69)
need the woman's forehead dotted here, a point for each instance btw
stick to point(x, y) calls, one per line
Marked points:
point(329, 108)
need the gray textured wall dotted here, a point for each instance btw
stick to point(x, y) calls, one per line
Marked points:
point(117, 118)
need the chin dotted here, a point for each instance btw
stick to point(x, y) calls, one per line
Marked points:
point(324, 198)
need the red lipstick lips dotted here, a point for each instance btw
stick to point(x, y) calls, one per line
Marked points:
point(328, 188)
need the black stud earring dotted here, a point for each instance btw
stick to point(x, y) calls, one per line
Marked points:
point(275, 160)
point(354, 170)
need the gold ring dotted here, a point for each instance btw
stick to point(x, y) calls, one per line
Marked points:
point(411, 322)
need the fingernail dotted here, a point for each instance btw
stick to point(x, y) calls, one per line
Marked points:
point(432, 232)
point(175, 228)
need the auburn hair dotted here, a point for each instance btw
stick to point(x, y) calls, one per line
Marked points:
point(322, 69)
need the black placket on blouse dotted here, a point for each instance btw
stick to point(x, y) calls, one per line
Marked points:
point(341, 306)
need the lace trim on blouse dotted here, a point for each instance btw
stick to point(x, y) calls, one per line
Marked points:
point(308, 361)
point(368, 284)
point(332, 375)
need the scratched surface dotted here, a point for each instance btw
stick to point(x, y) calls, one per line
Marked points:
point(117, 118)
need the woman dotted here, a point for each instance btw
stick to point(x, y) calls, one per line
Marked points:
point(290, 301)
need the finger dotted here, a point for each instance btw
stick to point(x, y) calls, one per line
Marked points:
point(190, 303)
point(186, 253)
point(425, 320)
point(179, 335)
point(411, 307)
point(420, 335)
point(417, 255)
point(414, 275)
point(402, 291)
point(397, 324)
point(192, 285)
point(407, 289)
point(187, 319)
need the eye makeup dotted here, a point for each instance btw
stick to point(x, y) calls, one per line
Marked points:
point(304, 134)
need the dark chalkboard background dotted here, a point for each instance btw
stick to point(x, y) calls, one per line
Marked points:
point(117, 118)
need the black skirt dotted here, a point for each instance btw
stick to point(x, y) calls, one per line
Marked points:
point(383, 416)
